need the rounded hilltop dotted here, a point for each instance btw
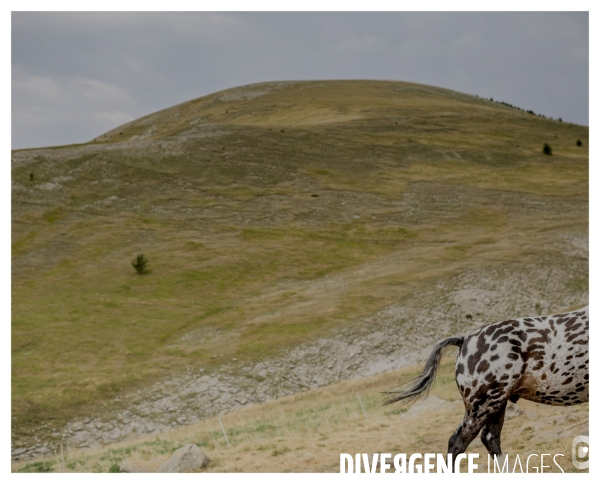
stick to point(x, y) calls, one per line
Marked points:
point(305, 103)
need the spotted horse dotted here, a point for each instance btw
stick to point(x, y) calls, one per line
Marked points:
point(543, 359)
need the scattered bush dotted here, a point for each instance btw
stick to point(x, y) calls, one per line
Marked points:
point(579, 143)
point(547, 150)
point(37, 467)
point(277, 452)
point(31, 176)
point(140, 264)
point(520, 109)
point(114, 468)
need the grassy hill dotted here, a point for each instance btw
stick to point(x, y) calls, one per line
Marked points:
point(244, 202)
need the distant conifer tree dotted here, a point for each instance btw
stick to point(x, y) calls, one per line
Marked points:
point(140, 264)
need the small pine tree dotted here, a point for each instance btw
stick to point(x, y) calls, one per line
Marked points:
point(31, 176)
point(547, 150)
point(579, 143)
point(140, 264)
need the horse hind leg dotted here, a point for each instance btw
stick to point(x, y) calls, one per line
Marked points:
point(464, 434)
point(490, 432)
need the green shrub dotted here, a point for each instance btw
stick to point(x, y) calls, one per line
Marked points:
point(114, 468)
point(547, 150)
point(140, 264)
point(579, 143)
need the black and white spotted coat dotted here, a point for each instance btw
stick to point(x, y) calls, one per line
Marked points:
point(544, 359)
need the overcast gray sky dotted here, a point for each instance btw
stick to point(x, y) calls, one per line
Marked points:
point(77, 75)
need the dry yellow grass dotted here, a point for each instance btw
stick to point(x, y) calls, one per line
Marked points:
point(308, 431)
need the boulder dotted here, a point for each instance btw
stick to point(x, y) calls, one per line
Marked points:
point(189, 458)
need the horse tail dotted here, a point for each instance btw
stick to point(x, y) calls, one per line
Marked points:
point(420, 386)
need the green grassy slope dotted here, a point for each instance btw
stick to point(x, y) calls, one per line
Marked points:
point(243, 199)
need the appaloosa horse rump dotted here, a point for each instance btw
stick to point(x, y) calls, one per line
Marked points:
point(543, 359)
